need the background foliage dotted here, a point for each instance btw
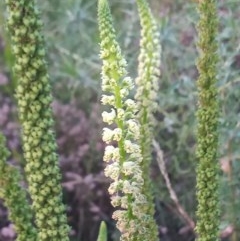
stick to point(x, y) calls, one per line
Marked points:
point(72, 39)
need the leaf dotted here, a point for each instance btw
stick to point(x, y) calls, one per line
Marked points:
point(102, 235)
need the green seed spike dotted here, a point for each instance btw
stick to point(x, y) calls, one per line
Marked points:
point(208, 214)
point(102, 236)
point(34, 99)
point(15, 197)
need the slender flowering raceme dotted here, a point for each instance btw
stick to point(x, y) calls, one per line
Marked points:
point(34, 98)
point(148, 67)
point(15, 197)
point(122, 154)
point(147, 88)
point(207, 132)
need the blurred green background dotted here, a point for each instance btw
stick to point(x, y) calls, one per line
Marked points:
point(71, 34)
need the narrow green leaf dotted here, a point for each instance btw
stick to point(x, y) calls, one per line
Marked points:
point(102, 235)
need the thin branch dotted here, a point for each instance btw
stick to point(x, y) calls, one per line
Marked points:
point(227, 232)
point(183, 214)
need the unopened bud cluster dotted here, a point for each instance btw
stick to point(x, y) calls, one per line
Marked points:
point(34, 99)
point(123, 153)
point(148, 62)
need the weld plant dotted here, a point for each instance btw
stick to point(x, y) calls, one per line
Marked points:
point(34, 98)
point(208, 216)
point(15, 197)
point(123, 153)
point(147, 89)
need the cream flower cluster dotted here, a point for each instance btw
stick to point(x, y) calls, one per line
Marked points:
point(123, 153)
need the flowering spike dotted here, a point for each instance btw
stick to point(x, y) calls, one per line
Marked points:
point(34, 99)
point(147, 88)
point(207, 132)
point(15, 197)
point(123, 154)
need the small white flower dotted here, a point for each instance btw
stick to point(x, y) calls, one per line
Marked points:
point(104, 54)
point(107, 135)
point(114, 187)
point(138, 177)
point(108, 100)
point(122, 225)
point(124, 93)
point(117, 134)
point(124, 202)
point(155, 83)
point(139, 92)
point(123, 63)
point(105, 87)
point(152, 68)
point(148, 86)
point(134, 128)
point(116, 201)
point(150, 46)
point(153, 95)
point(120, 215)
point(128, 82)
point(147, 61)
point(108, 154)
point(121, 71)
point(113, 49)
point(109, 117)
point(116, 154)
point(132, 105)
point(106, 40)
point(136, 156)
point(129, 167)
point(112, 171)
point(119, 57)
point(146, 103)
point(131, 147)
point(129, 188)
point(138, 210)
point(105, 69)
point(112, 82)
point(120, 113)
point(140, 198)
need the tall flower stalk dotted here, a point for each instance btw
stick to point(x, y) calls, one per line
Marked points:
point(15, 197)
point(208, 216)
point(146, 96)
point(34, 99)
point(122, 154)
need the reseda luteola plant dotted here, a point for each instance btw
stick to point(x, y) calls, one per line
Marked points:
point(146, 96)
point(34, 99)
point(208, 214)
point(15, 197)
point(128, 151)
point(134, 215)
